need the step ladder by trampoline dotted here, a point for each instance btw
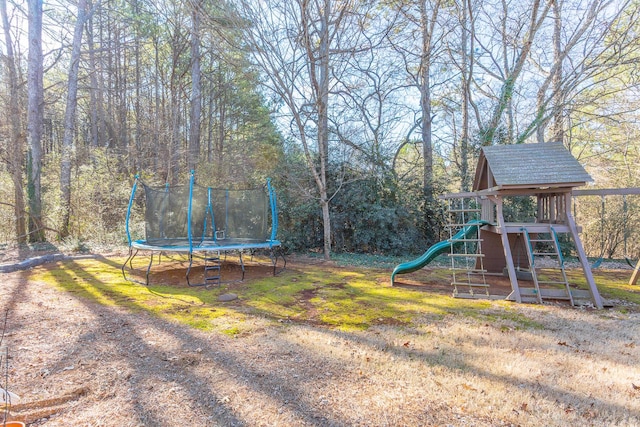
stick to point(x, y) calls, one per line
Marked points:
point(212, 269)
point(212, 266)
point(547, 284)
point(467, 268)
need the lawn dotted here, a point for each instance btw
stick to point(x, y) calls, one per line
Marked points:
point(318, 344)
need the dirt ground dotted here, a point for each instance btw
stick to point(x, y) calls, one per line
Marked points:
point(75, 362)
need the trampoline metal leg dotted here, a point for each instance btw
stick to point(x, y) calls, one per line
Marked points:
point(189, 268)
point(273, 254)
point(132, 255)
point(274, 260)
point(129, 261)
point(241, 264)
point(146, 281)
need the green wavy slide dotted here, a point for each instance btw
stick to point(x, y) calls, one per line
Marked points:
point(441, 247)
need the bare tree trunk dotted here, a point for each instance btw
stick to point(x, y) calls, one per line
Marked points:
point(123, 102)
point(70, 120)
point(175, 111)
point(505, 58)
point(506, 93)
point(427, 25)
point(196, 90)
point(557, 130)
point(16, 143)
point(93, 90)
point(173, 170)
point(323, 125)
point(467, 72)
point(319, 76)
point(106, 41)
point(540, 123)
point(160, 110)
point(211, 117)
point(313, 30)
point(556, 78)
point(421, 17)
point(222, 121)
point(35, 118)
point(139, 160)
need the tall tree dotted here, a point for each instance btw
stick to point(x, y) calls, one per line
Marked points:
point(70, 119)
point(558, 116)
point(196, 89)
point(95, 94)
point(369, 101)
point(15, 149)
point(421, 21)
point(296, 44)
point(179, 44)
point(428, 20)
point(35, 118)
point(514, 56)
point(585, 46)
point(466, 73)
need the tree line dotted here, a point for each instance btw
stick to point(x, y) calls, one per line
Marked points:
point(362, 111)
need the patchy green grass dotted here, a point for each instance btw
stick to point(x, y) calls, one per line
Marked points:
point(377, 261)
point(614, 285)
point(343, 298)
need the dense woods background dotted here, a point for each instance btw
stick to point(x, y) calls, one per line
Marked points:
point(361, 111)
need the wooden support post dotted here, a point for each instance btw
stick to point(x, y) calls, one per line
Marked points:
point(541, 210)
point(565, 206)
point(487, 213)
point(635, 275)
point(595, 294)
point(507, 250)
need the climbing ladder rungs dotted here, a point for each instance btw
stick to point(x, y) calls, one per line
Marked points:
point(473, 285)
point(212, 269)
point(559, 297)
point(542, 240)
point(554, 251)
point(465, 210)
point(466, 249)
point(550, 282)
point(460, 225)
point(470, 271)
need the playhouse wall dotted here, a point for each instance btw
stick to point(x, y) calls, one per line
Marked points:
point(494, 260)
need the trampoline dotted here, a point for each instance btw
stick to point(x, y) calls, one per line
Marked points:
point(204, 223)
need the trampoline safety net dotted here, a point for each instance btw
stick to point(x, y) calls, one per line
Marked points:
point(238, 216)
point(192, 218)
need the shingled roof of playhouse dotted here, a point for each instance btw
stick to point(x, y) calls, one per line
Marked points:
point(528, 166)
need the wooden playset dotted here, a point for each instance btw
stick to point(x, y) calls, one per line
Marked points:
point(526, 250)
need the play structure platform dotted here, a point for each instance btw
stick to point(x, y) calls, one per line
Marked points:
point(527, 251)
